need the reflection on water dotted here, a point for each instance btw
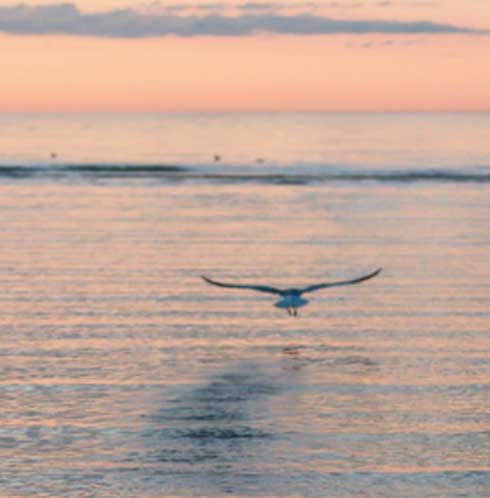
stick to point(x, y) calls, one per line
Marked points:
point(230, 432)
point(217, 429)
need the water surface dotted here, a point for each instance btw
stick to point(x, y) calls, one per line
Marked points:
point(123, 374)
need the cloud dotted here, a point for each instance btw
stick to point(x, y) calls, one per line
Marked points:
point(258, 6)
point(275, 6)
point(403, 42)
point(67, 19)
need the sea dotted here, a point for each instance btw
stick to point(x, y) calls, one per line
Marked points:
point(123, 374)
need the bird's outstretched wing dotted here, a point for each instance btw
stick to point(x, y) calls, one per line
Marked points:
point(312, 288)
point(260, 288)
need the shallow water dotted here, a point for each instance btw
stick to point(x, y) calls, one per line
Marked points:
point(123, 374)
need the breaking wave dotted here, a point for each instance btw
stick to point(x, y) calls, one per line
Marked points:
point(275, 176)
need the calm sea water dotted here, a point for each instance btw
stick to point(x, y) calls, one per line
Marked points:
point(122, 374)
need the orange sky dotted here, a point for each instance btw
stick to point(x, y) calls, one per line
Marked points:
point(280, 72)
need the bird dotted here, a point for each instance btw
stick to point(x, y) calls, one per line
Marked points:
point(291, 298)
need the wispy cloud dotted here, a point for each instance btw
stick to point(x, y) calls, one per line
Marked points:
point(386, 43)
point(263, 6)
point(67, 19)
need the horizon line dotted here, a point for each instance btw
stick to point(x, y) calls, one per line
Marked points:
point(374, 111)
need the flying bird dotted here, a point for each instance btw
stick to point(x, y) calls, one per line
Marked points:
point(291, 299)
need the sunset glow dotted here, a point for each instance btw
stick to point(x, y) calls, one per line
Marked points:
point(341, 70)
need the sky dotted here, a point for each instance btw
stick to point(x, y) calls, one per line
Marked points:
point(219, 56)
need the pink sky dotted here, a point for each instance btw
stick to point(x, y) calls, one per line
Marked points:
point(257, 72)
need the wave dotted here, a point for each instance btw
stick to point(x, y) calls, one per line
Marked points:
point(273, 176)
point(90, 169)
point(301, 179)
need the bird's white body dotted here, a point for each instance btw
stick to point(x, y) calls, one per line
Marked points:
point(291, 301)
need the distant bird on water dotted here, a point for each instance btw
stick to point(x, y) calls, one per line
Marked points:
point(291, 298)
